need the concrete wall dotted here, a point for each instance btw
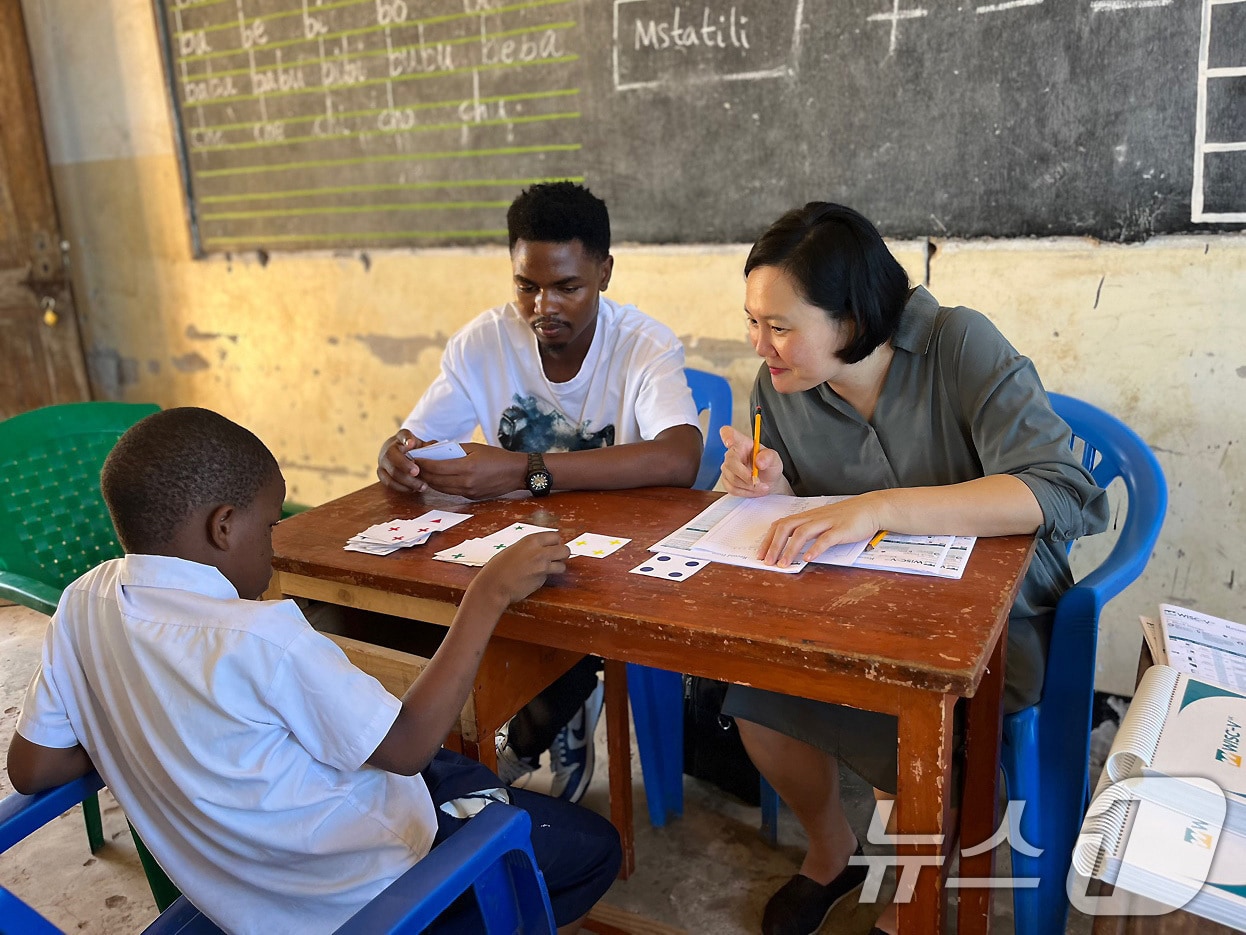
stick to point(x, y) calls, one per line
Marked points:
point(322, 354)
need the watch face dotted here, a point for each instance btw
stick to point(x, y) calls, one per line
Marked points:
point(538, 482)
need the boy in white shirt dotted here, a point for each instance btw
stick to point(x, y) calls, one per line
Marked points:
point(572, 392)
point(278, 786)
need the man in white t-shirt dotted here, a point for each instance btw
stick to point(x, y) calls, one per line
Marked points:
point(572, 391)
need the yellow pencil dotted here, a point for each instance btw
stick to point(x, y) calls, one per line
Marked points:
point(879, 537)
point(756, 440)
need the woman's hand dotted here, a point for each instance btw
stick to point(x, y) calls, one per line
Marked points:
point(738, 467)
point(804, 536)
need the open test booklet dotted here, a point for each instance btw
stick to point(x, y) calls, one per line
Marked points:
point(1206, 647)
point(732, 530)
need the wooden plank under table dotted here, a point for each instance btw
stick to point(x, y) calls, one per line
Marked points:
point(903, 644)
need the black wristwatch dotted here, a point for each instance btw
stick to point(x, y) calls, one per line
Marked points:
point(540, 483)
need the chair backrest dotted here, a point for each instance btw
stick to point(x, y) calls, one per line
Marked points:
point(54, 525)
point(713, 393)
point(1110, 450)
point(21, 816)
point(1046, 749)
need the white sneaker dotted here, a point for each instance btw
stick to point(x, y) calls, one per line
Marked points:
point(512, 766)
point(572, 753)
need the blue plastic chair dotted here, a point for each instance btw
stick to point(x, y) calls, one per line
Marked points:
point(1046, 748)
point(711, 394)
point(657, 695)
point(492, 855)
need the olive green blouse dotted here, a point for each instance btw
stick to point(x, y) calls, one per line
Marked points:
point(958, 403)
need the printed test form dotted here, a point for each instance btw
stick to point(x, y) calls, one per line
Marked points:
point(1207, 647)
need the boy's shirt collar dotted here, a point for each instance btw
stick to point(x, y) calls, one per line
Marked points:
point(165, 571)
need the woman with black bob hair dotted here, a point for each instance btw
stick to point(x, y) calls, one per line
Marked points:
point(842, 266)
point(932, 423)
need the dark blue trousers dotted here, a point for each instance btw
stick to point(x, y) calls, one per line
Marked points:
point(577, 851)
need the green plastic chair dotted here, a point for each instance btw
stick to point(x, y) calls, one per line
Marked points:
point(292, 508)
point(54, 525)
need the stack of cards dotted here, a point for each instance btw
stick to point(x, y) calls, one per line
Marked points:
point(476, 552)
point(438, 451)
point(384, 538)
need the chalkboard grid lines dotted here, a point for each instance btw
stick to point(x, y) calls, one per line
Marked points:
point(1220, 127)
point(321, 123)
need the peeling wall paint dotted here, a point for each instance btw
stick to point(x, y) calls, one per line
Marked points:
point(110, 373)
point(394, 350)
point(323, 354)
point(718, 353)
point(190, 363)
point(195, 334)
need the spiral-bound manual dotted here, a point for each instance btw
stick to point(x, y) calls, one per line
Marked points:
point(1168, 817)
point(1182, 727)
point(1162, 855)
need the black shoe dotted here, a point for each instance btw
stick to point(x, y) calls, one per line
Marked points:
point(801, 905)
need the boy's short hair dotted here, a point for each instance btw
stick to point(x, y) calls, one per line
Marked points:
point(838, 262)
point(559, 212)
point(174, 462)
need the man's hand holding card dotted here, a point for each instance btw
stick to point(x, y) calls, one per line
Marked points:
point(483, 473)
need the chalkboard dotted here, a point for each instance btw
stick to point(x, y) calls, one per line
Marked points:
point(356, 123)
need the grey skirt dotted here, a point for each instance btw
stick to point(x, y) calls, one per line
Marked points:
point(868, 741)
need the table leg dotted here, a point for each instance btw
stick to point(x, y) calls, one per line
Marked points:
point(922, 809)
point(619, 748)
point(486, 754)
point(983, 730)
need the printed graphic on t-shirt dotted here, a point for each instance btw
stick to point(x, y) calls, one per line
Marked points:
point(527, 426)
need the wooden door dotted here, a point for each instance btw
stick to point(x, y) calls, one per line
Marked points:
point(41, 359)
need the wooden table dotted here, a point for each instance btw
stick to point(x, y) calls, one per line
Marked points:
point(903, 644)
